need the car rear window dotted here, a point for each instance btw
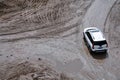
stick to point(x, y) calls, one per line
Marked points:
point(100, 42)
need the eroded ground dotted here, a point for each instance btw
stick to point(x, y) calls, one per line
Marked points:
point(48, 33)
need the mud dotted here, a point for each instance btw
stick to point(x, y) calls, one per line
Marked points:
point(40, 34)
point(26, 70)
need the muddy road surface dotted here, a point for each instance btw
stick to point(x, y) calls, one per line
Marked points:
point(51, 31)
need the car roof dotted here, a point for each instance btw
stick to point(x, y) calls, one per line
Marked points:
point(95, 33)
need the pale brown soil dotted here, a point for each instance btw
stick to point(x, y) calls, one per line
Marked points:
point(26, 70)
point(38, 20)
point(42, 40)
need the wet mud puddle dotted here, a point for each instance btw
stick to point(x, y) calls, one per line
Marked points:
point(72, 66)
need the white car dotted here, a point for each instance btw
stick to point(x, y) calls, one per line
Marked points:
point(95, 40)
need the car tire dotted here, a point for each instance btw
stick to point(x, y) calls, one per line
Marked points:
point(83, 36)
point(105, 51)
point(85, 41)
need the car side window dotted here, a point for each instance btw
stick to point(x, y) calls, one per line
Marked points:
point(89, 36)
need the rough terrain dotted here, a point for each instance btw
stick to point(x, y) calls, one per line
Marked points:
point(38, 36)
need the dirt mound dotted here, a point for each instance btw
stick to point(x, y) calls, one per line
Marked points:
point(30, 71)
point(48, 19)
point(24, 19)
point(16, 5)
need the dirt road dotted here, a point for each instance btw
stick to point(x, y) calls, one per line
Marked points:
point(52, 31)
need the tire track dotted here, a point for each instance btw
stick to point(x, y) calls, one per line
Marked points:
point(104, 29)
point(95, 17)
point(47, 21)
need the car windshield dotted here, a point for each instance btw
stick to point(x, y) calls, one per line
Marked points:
point(94, 30)
point(100, 42)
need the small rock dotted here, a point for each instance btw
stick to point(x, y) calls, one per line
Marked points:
point(39, 59)
point(34, 76)
point(27, 57)
point(0, 54)
point(65, 62)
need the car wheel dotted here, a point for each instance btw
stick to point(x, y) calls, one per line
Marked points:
point(83, 36)
point(85, 41)
point(105, 51)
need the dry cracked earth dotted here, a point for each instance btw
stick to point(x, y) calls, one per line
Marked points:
point(42, 39)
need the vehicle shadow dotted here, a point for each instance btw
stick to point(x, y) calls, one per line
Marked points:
point(99, 55)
